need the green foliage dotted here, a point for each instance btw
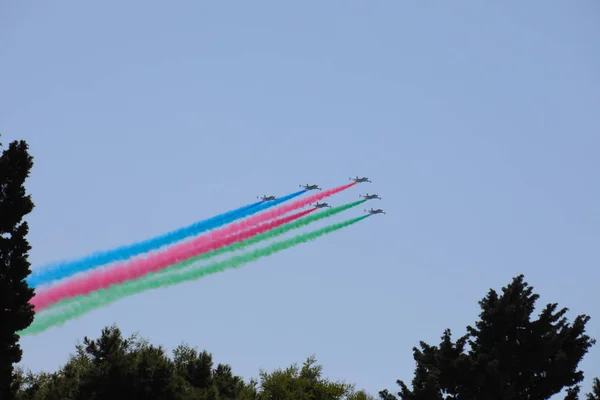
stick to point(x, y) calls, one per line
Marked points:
point(510, 355)
point(306, 383)
point(15, 311)
point(112, 367)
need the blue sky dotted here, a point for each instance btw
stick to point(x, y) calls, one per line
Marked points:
point(476, 122)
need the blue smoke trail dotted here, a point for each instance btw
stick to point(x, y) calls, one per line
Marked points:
point(54, 272)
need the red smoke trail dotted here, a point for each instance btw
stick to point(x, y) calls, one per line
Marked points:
point(120, 273)
point(124, 272)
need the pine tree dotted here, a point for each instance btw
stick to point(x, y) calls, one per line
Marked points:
point(595, 395)
point(15, 311)
point(510, 355)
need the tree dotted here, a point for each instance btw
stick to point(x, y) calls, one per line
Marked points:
point(15, 311)
point(114, 367)
point(509, 354)
point(196, 368)
point(595, 395)
point(306, 383)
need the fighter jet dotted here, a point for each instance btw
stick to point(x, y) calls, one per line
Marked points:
point(359, 180)
point(378, 211)
point(266, 198)
point(310, 187)
point(321, 205)
point(369, 196)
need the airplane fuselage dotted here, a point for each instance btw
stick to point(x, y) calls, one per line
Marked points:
point(359, 180)
point(311, 187)
point(371, 196)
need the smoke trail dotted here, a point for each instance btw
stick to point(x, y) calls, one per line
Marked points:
point(249, 222)
point(54, 272)
point(103, 279)
point(138, 268)
point(102, 298)
point(237, 245)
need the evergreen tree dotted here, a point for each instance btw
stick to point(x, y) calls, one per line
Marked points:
point(595, 395)
point(510, 355)
point(15, 311)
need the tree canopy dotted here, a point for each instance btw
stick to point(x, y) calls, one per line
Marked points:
point(114, 367)
point(509, 354)
point(15, 311)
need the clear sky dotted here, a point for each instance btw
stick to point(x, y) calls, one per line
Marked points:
point(477, 123)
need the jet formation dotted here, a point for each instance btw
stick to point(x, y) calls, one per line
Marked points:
point(368, 196)
point(365, 196)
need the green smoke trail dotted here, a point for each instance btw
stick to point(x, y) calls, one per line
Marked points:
point(226, 249)
point(104, 297)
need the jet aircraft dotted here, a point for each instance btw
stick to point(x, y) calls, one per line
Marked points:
point(369, 196)
point(378, 211)
point(321, 205)
point(359, 180)
point(310, 187)
point(266, 198)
